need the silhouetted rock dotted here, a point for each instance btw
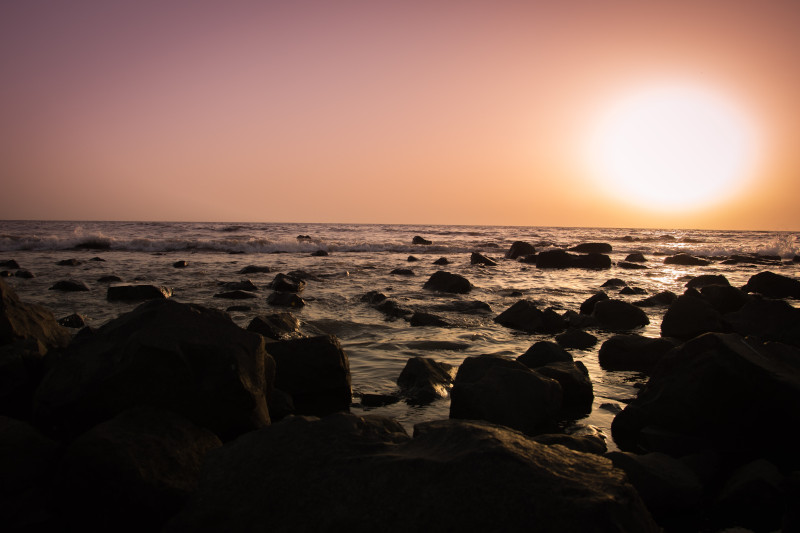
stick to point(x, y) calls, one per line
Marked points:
point(24, 274)
point(9, 263)
point(243, 285)
point(631, 266)
point(277, 326)
point(74, 321)
point(68, 262)
point(614, 282)
point(524, 316)
point(412, 259)
point(285, 299)
point(617, 315)
point(402, 272)
point(753, 497)
point(470, 307)
point(138, 292)
point(686, 260)
point(562, 259)
point(662, 298)
point(253, 269)
point(632, 290)
point(319, 253)
point(446, 282)
point(480, 259)
point(704, 280)
point(180, 264)
point(286, 283)
point(773, 320)
point(576, 338)
point(304, 238)
point(724, 298)
point(635, 258)
point(544, 352)
point(236, 295)
point(419, 240)
point(690, 315)
point(109, 279)
point(633, 352)
point(592, 248)
point(587, 307)
point(424, 380)
point(576, 386)
point(519, 249)
point(441, 261)
point(69, 285)
point(392, 309)
point(420, 318)
point(773, 285)
point(373, 297)
point(6, 274)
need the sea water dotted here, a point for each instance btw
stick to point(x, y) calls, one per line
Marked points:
point(361, 258)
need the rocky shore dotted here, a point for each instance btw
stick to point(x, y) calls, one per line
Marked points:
point(172, 417)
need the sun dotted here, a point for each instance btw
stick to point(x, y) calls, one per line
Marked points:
point(672, 147)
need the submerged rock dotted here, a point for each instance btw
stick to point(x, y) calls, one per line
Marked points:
point(180, 264)
point(253, 269)
point(24, 274)
point(403, 272)
point(285, 299)
point(685, 260)
point(441, 261)
point(662, 298)
point(635, 258)
point(243, 285)
point(420, 318)
point(68, 262)
point(446, 282)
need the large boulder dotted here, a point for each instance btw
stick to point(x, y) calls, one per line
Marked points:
point(543, 353)
point(706, 280)
point(587, 307)
point(633, 352)
point(276, 326)
point(504, 391)
point(182, 357)
point(424, 380)
point(26, 460)
point(690, 315)
point(724, 298)
point(25, 321)
point(525, 316)
point(446, 282)
point(661, 299)
point(773, 320)
point(562, 259)
point(592, 248)
point(773, 285)
point(347, 473)
point(576, 386)
point(137, 292)
point(685, 260)
point(618, 315)
point(315, 371)
point(520, 248)
point(479, 259)
point(576, 338)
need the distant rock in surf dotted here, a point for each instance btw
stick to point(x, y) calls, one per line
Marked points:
point(69, 285)
point(420, 240)
point(319, 253)
point(24, 274)
point(592, 248)
point(685, 260)
point(137, 292)
point(180, 264)
point(253, 269)
point(562, 259)
point(9, 263)
point(68, 262)
point(446, 282)
point(520, 248)
point(285, 299)
point(402, 272)
point(236, 295)
point(480, 259)
point(441, 261)
point(635, 258)
point(773, 285)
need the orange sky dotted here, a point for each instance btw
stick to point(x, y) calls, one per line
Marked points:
point(371, 111)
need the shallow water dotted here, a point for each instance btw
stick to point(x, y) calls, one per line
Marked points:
point(361, 259)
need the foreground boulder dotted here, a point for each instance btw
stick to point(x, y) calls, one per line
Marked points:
point(446, 282)
point(690, 315)
point(633, 352)
point(424, 380)
point(183, 357)
point(137, 292)
point(618, 315)
point(773, 285)
point(348, 473)
point(25, 321)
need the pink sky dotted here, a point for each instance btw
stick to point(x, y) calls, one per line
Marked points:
point(386, 112)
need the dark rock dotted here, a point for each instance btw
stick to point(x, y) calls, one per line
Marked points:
point(419, 240)
point(138, 292)
point(69, 262)
point(465, 306)
point(633, 352)
point(662, 298)
point(773, 285)
point(593, 444)
point(523, 315)
point(543, 353)
point(631, 266)
point(94, 244)
point(633, 290)
point(752, 497)
point(796, 259)
point(578, 320)
point(378, 400)
point(705, 387)
point(345, 461)
point(685, 260)
point(69, 285)
point(72, 321)
point(614, 282)
point(280, 405)
point(690, 315)
point(635, 258)
point(773, 320)
point(24, 274)
point(315, 371)
point(441, 261)
point(529, 259)
point(403, 272)
point(142, 465)
point(576, 338)
point(235, 295)
point(587, 307)
point(480, 259)
point(319, 253)
point(253, 269)
point(576, 386)
point(285, 299)
point(412, 259)
point(238, 308)
point(183, 357)
point(98, 259)
point(393, 309)
point(704, 280)
point(420, 318)
point(438, 345)
point(373, 297)
point(285, 283)
point(424, 380)
point(109, 279)
point(6, 274)
point(9, 263)
point(180, 264)
point(22, 367)
point(503, 391)
point(724, 298)
point(446, 282)
point(592, 248)
point(304, 238)
point(24, 321)
point(277, 326)
point(617, 315)
point(562, 259)
point(243, 285)
point(520, 248)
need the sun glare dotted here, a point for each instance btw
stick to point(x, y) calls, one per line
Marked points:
point(672, 147)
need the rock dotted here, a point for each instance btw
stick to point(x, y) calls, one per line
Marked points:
point(592, 248)
point(519, 249)
point(137, 292)
point(690, 315)
point(24, 274)
point(576, 338)
point(373, 297)
point(424, 380)
point(315, 371)
point(304, 238)
point(277, 326)
point(243, 285)
point(705, 280)
point(710, 386)
point(24, 321)
point(392, 309)
point(662, 298)
point(635, 258)
point(576, 386)
point(578, 320)
point(419, 240)
point(724, 298)
point(403, 272)
point(633, 290)
point(285, 299)
point(109, 279)
point(22, 367)
point(685, 260)
point(631, 266)
point(319, 253)
point(773, 285)
point(773, 320)
point(378, 400)
point(253, 269)
point(593, 444)
point(471, 307)
point(427, 319)
point(529, 259)
point(235, 295)
point(543, 353)
point(441, 261)
point(180, 264)
point(633, 352)
point(182, 357)
point(617, 315)
point(524, 316)
point(587, 307)
point(562, 259)
point(141, 465)
point(412, 259)
point(480, 259)
point(238, 308)
point(74, 321)
point(666, 485)
point(752, 497)
point(68, 262)
point(6, 274)
point(285, 283)
point(336, 464)
point(506, 392)
point(9, 263)
point(98, 259)
point(446, 282)
point(69, 285)
point(614, 282)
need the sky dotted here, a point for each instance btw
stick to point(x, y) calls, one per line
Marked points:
point(425, 112)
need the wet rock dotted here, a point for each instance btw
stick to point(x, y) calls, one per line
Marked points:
point(690, 315)
point(471, 307)
point(446, 282)
point(21, 321)
point(480, 259)
point(402, 272)
point(524, 316)
point(315, 371)
point(137, 292)
point(796, 259)
point(412, 259)
point(574, 319)
point(24, 274)
point(519, 249)
point(438, 345)
point(506, 392)
point(617, 315)
point(662, 298)
point(285, 283)
point(238, 308)
point(98, 259)
point(543, 353)
point(6, 274)
point(705, 280)
point(109, 279)
point(773, 285)
point(441, 261)
point(183, 357)
point(593, 444)
point(724, 298)
point(632, 290)
point(576, 386)
point(420, 318)
point(235, 295)
point(562, 259)
point(752, 497)
point(373, 297)
point(685, 260)
point(631, 266)
point(336, 464)
point(22, 367)
point(74, 321)
point(69, 285)
point(304, 238)
point(635, 258)
point(68, 262)
point(319, 253)
point(592, 248)
point(277, 326)
point(253, 269)
point(633, 352)
point(243, 285)
point(614, 282)
point(587, 307)
point(285, 299)
point(180, 264)
point(378, 400)
point(424, 380)
point(9, 263)
point(773, 320)
point(576, 338)
point(392, 309)
point(420, 240)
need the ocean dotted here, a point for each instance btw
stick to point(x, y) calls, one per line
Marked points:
point(361, 258)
